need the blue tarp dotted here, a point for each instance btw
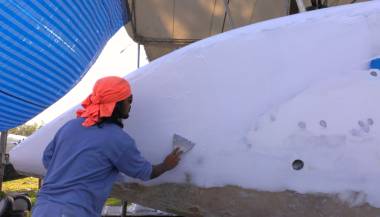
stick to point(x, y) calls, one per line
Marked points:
point(45, 49)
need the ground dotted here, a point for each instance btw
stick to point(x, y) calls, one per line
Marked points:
point(29, 185)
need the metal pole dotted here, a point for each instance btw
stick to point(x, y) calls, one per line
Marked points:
point(301, 6)
point(3, 145)
point(124, 208)
point(227, 8)
point(39, 183)
point(138, 55)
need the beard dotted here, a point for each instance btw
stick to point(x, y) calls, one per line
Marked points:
point(124, 116)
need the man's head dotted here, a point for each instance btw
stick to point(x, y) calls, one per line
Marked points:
point(110, 99)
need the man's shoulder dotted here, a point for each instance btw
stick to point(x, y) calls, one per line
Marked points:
point(74, 121)
point(124, 136)
point(117, 134)
point(110, 132)
point(121, 141)
point(68, 125)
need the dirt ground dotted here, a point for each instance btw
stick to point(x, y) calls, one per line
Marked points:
point(189, 201)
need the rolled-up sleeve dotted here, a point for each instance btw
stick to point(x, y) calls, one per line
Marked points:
point(133, 164)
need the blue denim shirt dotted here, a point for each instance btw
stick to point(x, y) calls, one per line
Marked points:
point(82, 164)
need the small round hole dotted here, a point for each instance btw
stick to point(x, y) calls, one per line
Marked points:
point(297, 164)
point(302, 125)
point(373, 73)
point(323, 123)
point(370, 121)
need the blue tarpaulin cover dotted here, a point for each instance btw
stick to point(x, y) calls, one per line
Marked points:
point(45, 49)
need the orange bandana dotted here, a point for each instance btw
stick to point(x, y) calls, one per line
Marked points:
point(101, 102)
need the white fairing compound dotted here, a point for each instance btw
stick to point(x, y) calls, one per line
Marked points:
point(255, 100)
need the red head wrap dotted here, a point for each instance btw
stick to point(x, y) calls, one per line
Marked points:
point(101, 102)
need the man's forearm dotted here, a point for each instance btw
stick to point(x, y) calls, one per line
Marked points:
point(157, 170)
point(169, 163)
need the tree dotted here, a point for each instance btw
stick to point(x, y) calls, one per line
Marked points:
point(26, 129)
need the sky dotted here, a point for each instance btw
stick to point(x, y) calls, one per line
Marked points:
point(119, 57)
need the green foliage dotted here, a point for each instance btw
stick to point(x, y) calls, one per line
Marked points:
point(113, 202)
point(32, 195)
point(29, 185)
point(26, 129)
point(21, 185)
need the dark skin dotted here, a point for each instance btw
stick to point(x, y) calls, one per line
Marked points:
point(171, 160)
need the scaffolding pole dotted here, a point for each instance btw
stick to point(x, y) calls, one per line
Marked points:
point(227, 9)
point(301, 6)
point(124, 209)
point(138, 55)
point(3, 146)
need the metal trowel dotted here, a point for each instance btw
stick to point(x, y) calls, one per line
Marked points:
point(182, 143)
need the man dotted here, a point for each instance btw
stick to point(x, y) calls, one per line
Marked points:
point(87, 153)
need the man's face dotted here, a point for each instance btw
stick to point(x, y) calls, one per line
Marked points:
point(126, 107)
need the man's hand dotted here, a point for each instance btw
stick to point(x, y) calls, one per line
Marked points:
point(169, 163)
point(172, 159)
